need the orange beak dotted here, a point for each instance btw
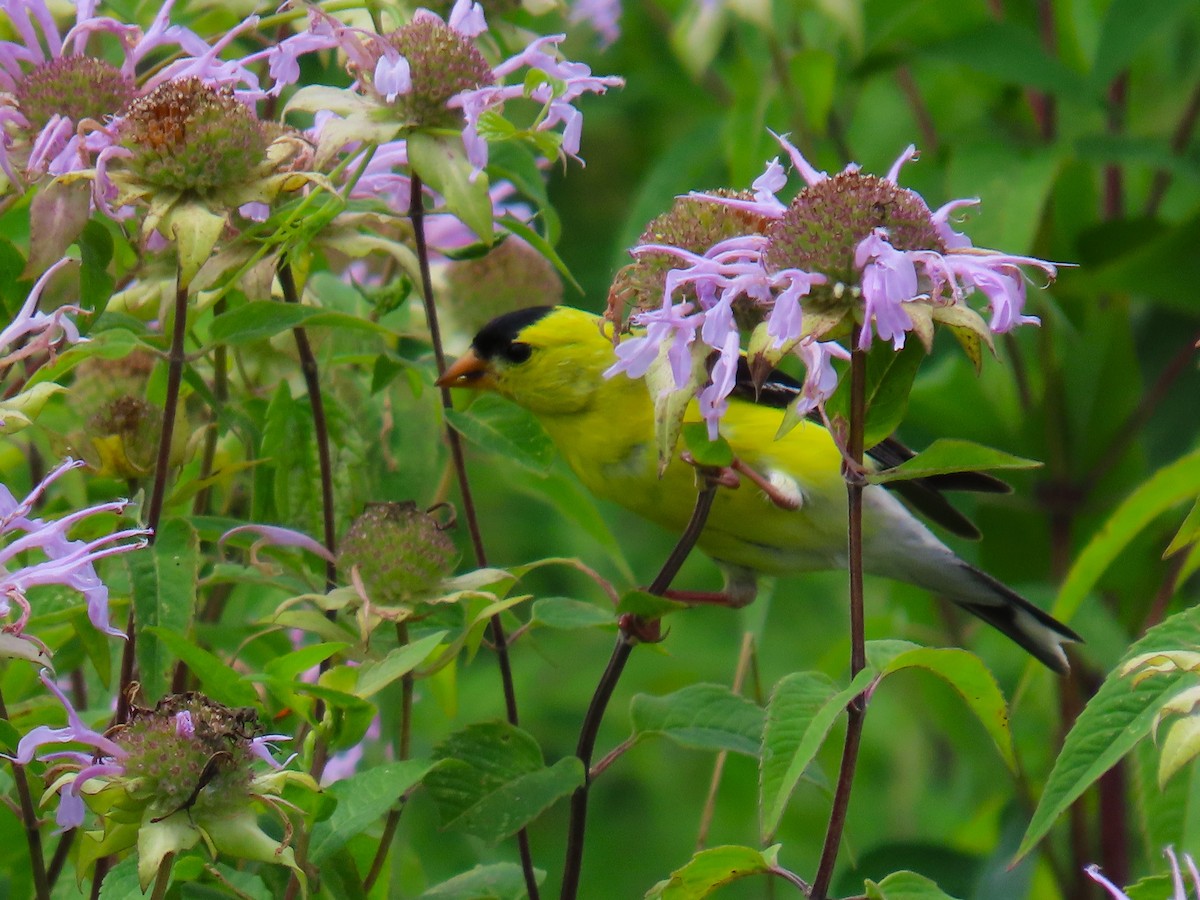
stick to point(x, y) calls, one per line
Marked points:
point(469, 371)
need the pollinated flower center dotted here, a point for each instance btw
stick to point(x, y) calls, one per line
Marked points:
point(189, 752)
point(188, 136)
point(441, 63)
point(826, 222)
point(78, 87)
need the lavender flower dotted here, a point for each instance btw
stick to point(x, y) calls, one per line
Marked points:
point(178, 773)
point(1179, 890)
point(601, 15)
point(65, 562)
point(850, 252)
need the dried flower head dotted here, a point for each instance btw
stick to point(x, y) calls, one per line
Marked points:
point(187, 136)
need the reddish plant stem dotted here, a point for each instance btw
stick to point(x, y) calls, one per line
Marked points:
point(416, 212)
point(1179, 143)
point(856, 710)
point(1114, 192)
point(577, 827)
point(158, 493)
point(33, 835)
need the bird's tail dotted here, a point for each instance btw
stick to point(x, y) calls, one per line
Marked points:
point(1004, 609)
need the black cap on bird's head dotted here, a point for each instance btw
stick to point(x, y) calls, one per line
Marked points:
point(496, 341)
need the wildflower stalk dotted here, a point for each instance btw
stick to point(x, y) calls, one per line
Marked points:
point(61, 852)
point(626, 641)
point(33, 835)
point(158, 493)
point(312, 380)
point(403, 751)
point(856, 710)
point(416, 213)
point(163, 880)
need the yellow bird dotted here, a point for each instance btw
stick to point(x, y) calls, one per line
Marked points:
point(551, 360)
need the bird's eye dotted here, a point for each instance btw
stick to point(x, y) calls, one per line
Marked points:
point(517, 352)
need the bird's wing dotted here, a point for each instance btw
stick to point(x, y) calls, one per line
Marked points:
point(924, 495)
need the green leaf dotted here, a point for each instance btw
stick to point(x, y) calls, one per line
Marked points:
point(442, 163)
point(946, 455)
point(890, 375)
point(493, 781)
point(1114, 720)
point(362, 800)
point(262, 319)
point(1128, 24)
point(57, 214)
point(1170, 485)
point(717, 454)
point(1013, 54)
point(789, 747)
point(647, 605)
point(700, 716)
point(505, 429)
point(541, 245)
point(1188, 533)
point(219, 681)
point(163, 577)
point(971, 679)
point(710, 869)
point(566, 614)
point(121, 881)
point(1180, 747)
point(905, 886)
point(374, 676)
point(499, 881)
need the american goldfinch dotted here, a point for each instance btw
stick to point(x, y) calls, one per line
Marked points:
point(551, 361)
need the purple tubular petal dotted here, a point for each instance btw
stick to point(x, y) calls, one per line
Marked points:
point(713, 400)
point(810, 175)
point(1093, 872)
point(910, 154)
point(280, 537)
point(467, 18)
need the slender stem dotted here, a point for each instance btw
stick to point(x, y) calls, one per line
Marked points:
point(416, 212)
point(61, 852)
point(572, 865)
point(175, 361)
point(1179, 143)
point(856, 710)
point(710, 802)
point(312, 381)
point(403, 751)
point(220, 396)
point(1114, 186)
point(33, 835)
point(98, 874)
point(163, 880)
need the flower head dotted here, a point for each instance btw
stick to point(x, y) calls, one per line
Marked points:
point(178, 773)
point(851, 253)
point(399, 552)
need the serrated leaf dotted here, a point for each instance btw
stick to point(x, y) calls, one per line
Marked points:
point(363, 799)
point(493, 781)
point(499, 881)
point(262, 319)
point(717, 454)
point(1170, 485)
point(163, 579)
point(946, 455)
point(905, 886)
point(121, 881)
point(375, 676)
point(441, 161)
point(1114, 720)
point(971, 680)
point(219, 681)
point(505, 429)
point(700, 716)
point(566, 614)
point(710, 869)
point(800, 740)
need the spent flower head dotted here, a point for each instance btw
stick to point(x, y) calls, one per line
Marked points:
point(398, 551)
point(185, 771)
point(851, 255)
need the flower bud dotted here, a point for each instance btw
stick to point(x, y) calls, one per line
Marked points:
point(400, 552)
